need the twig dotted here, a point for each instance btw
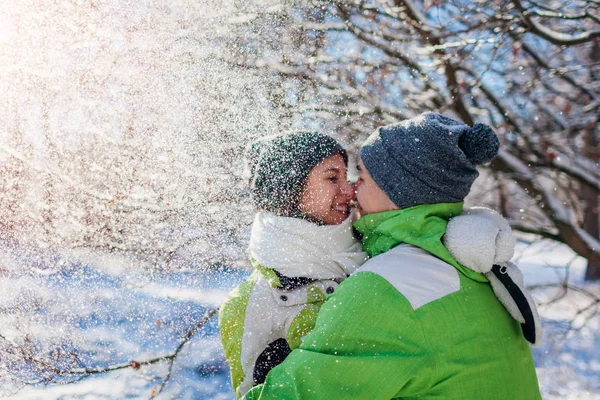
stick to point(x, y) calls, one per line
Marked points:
point(137, 364)
point(557, 38)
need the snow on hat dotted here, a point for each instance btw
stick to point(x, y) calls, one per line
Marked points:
point(278, 167)
point(428, 159)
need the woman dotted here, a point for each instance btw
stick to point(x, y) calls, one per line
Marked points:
point(301, 248)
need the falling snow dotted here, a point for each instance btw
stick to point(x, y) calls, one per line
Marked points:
point(124, 213)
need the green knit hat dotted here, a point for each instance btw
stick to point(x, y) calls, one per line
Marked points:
point(279, 166)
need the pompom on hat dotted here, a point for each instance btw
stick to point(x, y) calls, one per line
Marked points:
point(278, 167)
point(428, 159)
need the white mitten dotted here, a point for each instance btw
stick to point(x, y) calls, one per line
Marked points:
point(481, 239)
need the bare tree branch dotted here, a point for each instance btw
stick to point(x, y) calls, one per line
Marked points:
point(521, 227)
point(569, 232)
point(404, 59)
point(137, 364)
point(557, 38)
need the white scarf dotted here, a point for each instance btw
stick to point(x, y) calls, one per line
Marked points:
point(295, 247)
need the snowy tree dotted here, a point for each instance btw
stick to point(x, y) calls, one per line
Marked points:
point(121, 135)
point(122, 128)
point(528, 68)
point(124, 137)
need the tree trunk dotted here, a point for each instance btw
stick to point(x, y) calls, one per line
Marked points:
point(591, 219)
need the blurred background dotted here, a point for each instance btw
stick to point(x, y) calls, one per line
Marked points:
point(124, 214)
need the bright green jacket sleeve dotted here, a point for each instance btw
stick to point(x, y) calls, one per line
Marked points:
point(369, 343)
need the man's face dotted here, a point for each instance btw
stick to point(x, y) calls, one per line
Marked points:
point(371, 199)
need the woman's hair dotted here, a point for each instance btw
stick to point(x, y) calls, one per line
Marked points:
point(278, 167)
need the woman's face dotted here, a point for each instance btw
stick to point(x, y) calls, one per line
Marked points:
point(327, 195)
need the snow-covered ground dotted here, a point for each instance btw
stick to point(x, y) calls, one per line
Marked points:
point(568, 361)
point(110, 314)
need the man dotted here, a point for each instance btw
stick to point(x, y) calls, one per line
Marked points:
point(411, 322)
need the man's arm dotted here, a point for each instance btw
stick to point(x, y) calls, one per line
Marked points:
point(365, 345)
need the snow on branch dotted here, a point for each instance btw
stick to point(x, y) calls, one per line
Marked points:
point(475, 61)
point(368, 38)
point(557, 38)
point(566, 164)
point(324, 27)
point(561, 39)
point(525, 228)
point(569, 232)
point(560, 15)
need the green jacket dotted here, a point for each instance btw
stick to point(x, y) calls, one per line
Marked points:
point(408, 325)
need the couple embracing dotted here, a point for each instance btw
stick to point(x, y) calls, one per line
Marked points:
point(428, 305)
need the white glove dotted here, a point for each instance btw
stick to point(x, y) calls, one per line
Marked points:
point(481, 239)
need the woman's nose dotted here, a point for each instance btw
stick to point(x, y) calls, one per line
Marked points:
point(349, 191)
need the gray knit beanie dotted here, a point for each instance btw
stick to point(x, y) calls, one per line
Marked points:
point(428, 159)
point(278, 167)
